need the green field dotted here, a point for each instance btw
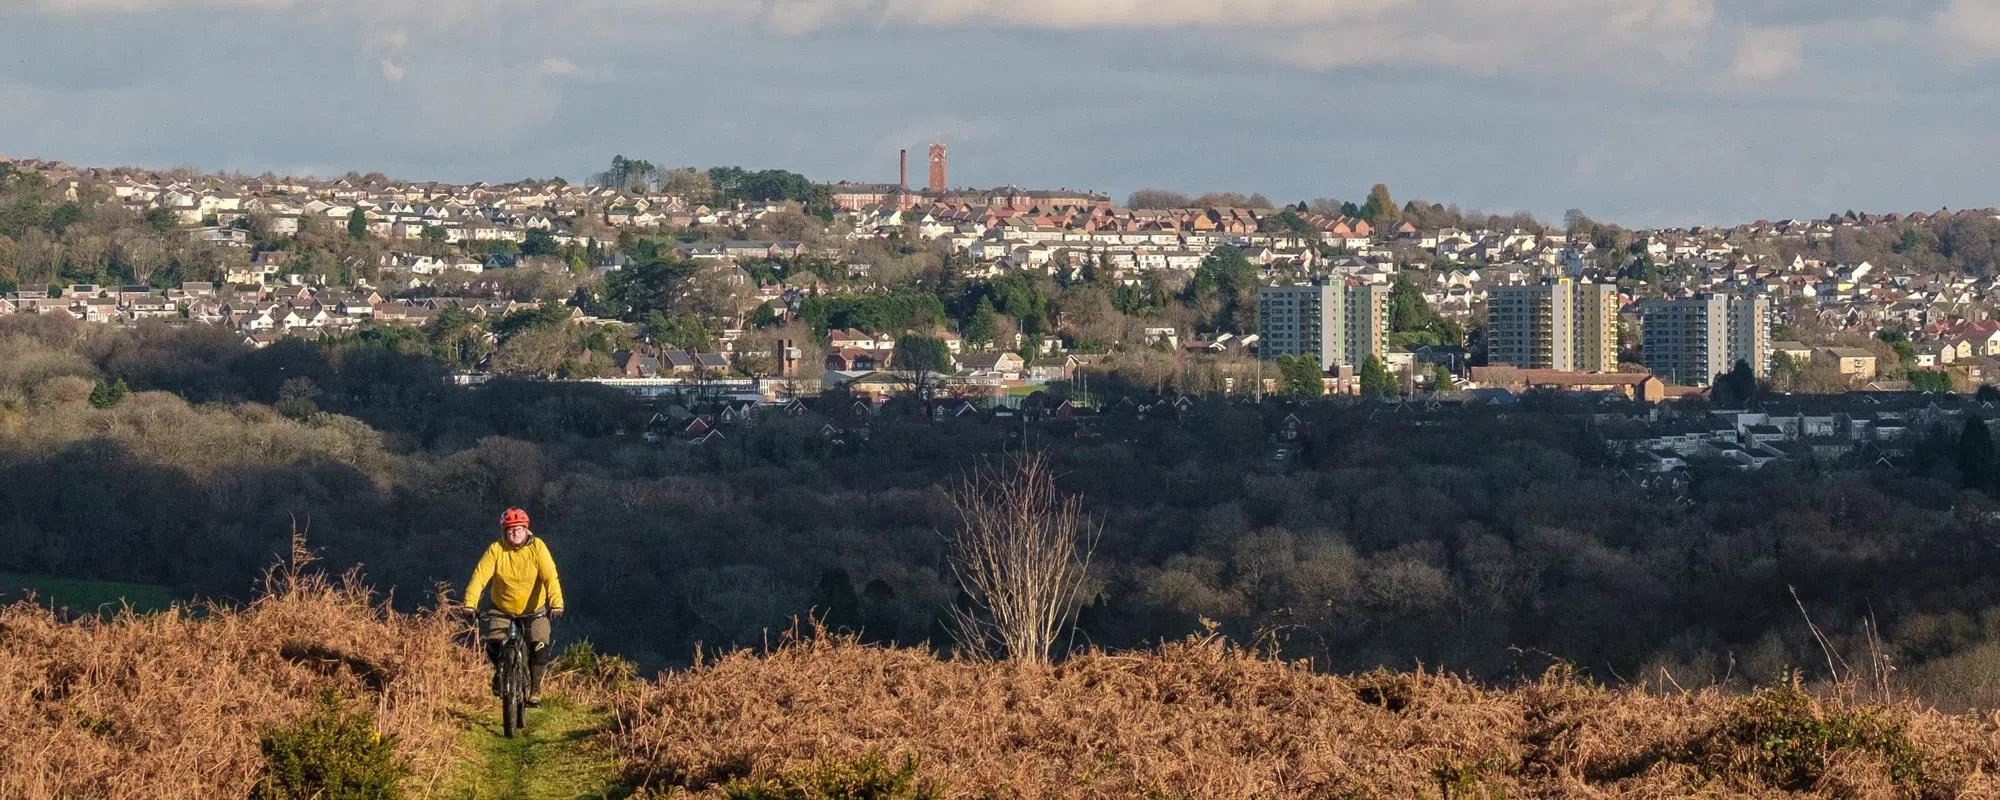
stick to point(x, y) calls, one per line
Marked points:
point(82, 595)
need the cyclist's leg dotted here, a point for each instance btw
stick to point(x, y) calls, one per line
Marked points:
point(540, 654)
point(493, 635)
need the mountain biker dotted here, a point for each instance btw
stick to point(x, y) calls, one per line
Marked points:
point(523, 578)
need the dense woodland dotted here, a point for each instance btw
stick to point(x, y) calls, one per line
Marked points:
point(1488, 544)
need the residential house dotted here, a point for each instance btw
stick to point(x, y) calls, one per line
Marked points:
point(852, 359)
point(1856, 363)
point(1004, 364)
point(628, 364)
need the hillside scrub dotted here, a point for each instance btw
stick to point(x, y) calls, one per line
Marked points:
point(1203, 719)
point(1477, 541)
point(176, 704)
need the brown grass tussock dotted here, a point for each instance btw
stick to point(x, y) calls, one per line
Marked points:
point(1203, 719)
point(172, 705)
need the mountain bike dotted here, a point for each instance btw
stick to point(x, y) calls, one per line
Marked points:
point(513, 668)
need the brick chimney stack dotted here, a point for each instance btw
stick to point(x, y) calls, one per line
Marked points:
point(903, 169)
point(937, 169)
point(788, 358)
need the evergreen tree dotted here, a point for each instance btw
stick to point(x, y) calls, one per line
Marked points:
point(108, 394)
point(1300, 376)
point(1735, 388)
point(1407, 309)
point(949, 288)
point(357, 224)
point(1228, 278)
point(917, 353)
point(1376, 380)
point(835, 600)
point(1930, 380)
point(1975, 455)
point(1441, 379)
point(1380, 208)
point(985, 323)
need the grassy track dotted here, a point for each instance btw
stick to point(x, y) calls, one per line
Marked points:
point(81, 595)
point(555, 758)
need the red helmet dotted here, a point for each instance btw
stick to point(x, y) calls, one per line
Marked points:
point(513, 517)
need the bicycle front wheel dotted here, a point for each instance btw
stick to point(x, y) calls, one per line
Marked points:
point(510, 695)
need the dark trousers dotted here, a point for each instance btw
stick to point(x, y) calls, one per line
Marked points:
point(493, 630)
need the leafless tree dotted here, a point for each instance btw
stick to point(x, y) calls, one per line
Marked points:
point(1231, 200)
point(1157, 199)
point(1021, 552)
point(689, 183)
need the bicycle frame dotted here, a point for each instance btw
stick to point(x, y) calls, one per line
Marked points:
point(514, 669)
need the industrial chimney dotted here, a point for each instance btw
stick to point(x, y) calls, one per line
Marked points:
point(903, 169)
point(937, 169)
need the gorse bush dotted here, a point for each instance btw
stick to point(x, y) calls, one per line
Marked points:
point(583, 661)
point(867, 778)
point(1783, 737)
point(334, 754)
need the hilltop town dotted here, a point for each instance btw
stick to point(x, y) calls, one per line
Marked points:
point(772, 287)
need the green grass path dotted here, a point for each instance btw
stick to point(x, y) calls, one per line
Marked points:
point(556, 758)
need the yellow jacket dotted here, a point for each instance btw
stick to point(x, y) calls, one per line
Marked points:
point(520, 578)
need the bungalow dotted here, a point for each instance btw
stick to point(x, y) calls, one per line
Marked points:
point(1004, 364)
point(846, 339)
point(226, 237)
point(678, 362)
point(711, 363)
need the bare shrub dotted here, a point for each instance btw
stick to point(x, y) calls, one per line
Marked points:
point(1021, 551)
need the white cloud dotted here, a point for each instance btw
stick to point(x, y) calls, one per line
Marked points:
point(91, 6)
point(1624, 41)
point(1969, 30)
point(1475, 35)
point(1543, 37)
point(393, 71)
point(1068, 14)
point(556, 67)
point(1766, 53)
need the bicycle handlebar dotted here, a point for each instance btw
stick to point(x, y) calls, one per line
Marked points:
point(495, 614)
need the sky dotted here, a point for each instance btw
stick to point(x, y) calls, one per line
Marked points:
point(1643, 112)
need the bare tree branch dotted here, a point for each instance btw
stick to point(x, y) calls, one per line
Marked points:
point(1021, 552)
